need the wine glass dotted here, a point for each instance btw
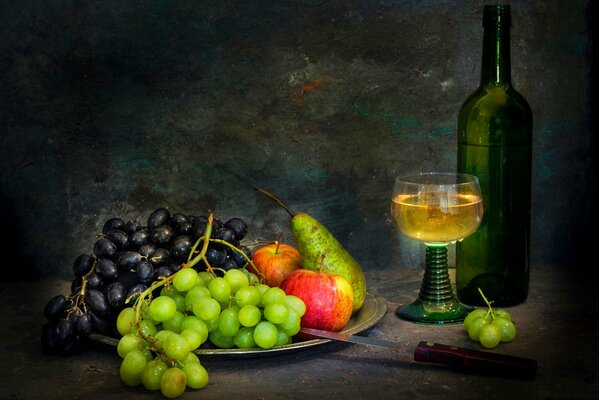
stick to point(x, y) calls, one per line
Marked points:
point(436, 208)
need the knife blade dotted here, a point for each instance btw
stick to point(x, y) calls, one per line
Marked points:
point(462, 359)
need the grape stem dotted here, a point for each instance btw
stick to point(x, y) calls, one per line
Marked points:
point(490, 311)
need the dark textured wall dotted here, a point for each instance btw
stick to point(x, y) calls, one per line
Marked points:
point(114, 108)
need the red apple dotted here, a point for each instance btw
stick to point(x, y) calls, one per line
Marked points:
point(328, 298)
point(274, 262)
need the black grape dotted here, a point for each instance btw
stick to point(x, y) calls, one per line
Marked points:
point(65, 331)
point(128, 259)
point(163, 272)
point(229, 264)
point(56, 307)
point(94, 281)
point(140, 237)
point(162, 234)
point(158, 217)
point(216, 257)
point(239, 258)
point(82, 265)
point(119, 238)
point(132, 226)
point(198, 228)
point(116, 294)
point(112, 223)
point(238, 226)
point(107, 268)
point(84, 325)
point(104, 248)
point(227, 235)
point(128, 278)
point(135, 291)
point(97, 303)
point(181, 223)
point(181, 247)
point(160, 257)
point(145, 271)
point(101, 324)
point(147, 250)
point(72, 347)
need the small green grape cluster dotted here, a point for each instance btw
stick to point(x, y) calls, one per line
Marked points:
point(160, 334)
point(489, 326)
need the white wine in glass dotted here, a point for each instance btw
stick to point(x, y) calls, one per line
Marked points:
point(437, 209)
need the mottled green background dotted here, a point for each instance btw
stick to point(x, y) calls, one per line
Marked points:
point(115, 108)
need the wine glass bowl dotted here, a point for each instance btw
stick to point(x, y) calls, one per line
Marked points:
point(437, 209)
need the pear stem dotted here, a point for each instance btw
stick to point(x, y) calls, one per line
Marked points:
point(276, 199)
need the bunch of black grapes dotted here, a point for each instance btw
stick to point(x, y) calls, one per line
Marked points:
point(126, 259)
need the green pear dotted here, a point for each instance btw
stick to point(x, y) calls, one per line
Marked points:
point(321, 251)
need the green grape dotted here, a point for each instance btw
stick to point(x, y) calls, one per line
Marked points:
point(169, 290)
point(212, 324)
point(206, 308)
point(161, 336)
point(152, 372)
point(506, 328)
point(145, 314)
point(127, 343)
point(185, 279)
point(174, 324)
point(292, 325)
point(265, 334)
point(196, 324)
point(132, 367)
point(125, 321)
point(219, 340)
point(276, 313)
point(179, 301)
point(196, 374)
point(295, 303)
point(228, 323)
point(204, 277)
point(190, 358)
point(282, 338)
point(475, 326)
point(220, 289)
point(237, 279)
point(173, 383)
point(479, 312)
point(273, 295)
point(196, 292)
point(249, 315)
point(176, 346)
point(163, 308)
point(262, 287)
point(247, 295)
point(193, 337)
point(489, 335)
point(253, 279)
point(147, 327)
point(502, 314)
point(244, 338)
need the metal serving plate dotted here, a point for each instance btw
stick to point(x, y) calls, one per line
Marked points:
point(372, 311)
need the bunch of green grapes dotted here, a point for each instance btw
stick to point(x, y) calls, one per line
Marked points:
point(159, 334)
point(489, 326)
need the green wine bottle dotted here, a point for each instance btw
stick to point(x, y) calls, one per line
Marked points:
point(495, 144)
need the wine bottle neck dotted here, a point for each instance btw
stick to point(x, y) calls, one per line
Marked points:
point(495, 67)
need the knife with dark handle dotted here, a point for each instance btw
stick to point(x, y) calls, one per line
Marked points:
point(462, 359)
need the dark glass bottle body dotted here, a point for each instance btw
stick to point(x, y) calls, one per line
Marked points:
point(495, 144)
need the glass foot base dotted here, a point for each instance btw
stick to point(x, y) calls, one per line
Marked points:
point(447, 313)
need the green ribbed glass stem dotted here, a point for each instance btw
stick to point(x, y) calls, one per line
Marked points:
point(436, 285)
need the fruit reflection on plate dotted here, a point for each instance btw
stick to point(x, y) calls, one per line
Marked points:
point(372, 311)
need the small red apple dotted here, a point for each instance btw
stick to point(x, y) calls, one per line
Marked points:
point(274, 262)
point(328, 298)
